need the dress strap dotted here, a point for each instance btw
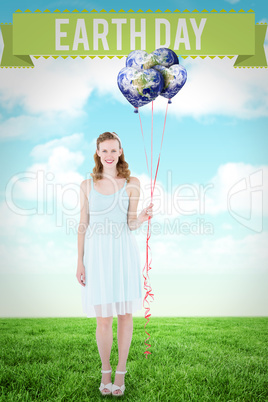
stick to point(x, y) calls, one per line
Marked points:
point(92, 187)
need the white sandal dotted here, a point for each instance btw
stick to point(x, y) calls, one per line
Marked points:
point(108, 386)
point(116, 387)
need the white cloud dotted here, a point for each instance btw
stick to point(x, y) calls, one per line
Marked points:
point(74, 142)
point(47, 192)
point(214, 87)
point(50, 187)
point(49, 87)
point(237, 188)
point(60, 168)
point(43, 151)
point(20, 126)
point(53, 94)
point(227, 226)
point(209, 254)
point(41, 126)
point(237, 181)
point(10, 223)
point(177, 253)
point(55, 86)
point(227, 253)
point(31, 256)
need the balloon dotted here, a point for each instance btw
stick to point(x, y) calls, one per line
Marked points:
point(139, 82)
point(166, 57)
point(141, 60)
point(140, 86)
point(174, 78)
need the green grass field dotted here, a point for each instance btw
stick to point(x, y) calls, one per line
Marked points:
point(192, 359)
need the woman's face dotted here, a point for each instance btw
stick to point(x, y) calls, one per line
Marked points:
point(109, 153)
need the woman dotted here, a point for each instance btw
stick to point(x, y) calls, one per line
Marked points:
point(109, 266)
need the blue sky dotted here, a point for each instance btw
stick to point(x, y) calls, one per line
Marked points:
point(215, 136)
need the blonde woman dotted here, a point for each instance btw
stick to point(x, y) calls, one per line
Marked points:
point(109, 265)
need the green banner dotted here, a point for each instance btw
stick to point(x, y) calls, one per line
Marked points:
point(118, 33)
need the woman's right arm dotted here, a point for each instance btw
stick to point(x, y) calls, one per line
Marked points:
point(83, 224)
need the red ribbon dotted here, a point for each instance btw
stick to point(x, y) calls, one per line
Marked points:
point(147, 266)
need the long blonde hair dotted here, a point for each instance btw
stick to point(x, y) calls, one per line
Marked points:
point(122, 165)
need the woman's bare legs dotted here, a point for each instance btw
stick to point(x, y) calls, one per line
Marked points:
point(124, 336)
point(104, 337)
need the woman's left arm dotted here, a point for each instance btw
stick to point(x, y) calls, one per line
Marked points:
point(133, 221)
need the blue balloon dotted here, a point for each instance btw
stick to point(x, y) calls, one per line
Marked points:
point(140, 86)
point(141, 60)
point(174, 78)
point(166, 57)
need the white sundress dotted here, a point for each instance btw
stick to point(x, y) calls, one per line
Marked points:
point(111, 258)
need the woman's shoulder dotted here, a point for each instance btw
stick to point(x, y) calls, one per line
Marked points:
point(86, 186)
point(134, 180)
point(133, 185)
point(86, 183)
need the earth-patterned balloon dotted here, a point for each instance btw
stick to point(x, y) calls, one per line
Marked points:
point(140, 86)
point(174, 78)
point(166, 57)
point(141, 60)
